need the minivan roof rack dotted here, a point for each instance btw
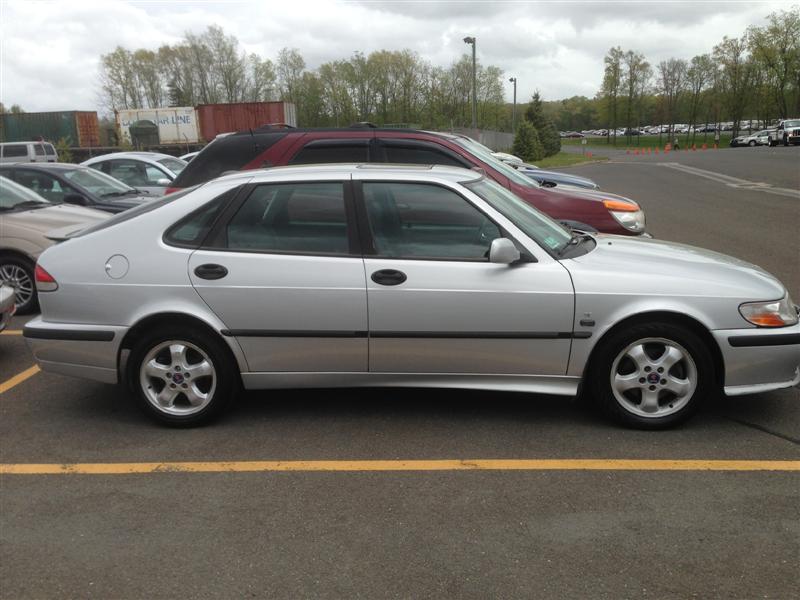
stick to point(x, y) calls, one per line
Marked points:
point(363, 125)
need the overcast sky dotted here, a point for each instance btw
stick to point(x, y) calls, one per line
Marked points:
point(51, 49)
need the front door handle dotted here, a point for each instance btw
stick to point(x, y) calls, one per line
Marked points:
point(389, 277)
point(211, 271)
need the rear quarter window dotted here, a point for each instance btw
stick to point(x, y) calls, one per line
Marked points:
point(191, 230)
point(230, 153)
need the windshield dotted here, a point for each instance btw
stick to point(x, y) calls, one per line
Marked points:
point(792, 123)
point(13, 194)
point(98, 183)
point(537, 226)
point(498, 165)
point(176, 165)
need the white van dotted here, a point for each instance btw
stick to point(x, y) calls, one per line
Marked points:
point(14, 152)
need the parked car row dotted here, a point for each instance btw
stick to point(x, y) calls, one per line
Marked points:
point(31, 223)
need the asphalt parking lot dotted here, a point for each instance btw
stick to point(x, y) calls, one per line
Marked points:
point(678, 524)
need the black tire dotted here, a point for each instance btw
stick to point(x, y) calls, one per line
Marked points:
point(220, 388)
point(609, 362)
point(751, 143)
point(785, 140)
point(10, 265)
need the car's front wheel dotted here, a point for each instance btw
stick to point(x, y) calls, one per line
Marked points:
point(652, 376)
point(751, 143)
point(18, 273)
point(182, 378)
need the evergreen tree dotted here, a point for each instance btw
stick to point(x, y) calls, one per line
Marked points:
point(526, 143)
point(548, 134)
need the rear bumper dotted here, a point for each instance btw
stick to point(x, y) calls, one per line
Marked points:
point(759, 360)
point(7, 308)
point(77, 350)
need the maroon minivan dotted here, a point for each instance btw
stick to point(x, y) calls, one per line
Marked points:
point(588, 210)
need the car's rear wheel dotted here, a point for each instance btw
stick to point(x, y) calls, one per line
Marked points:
point(18, 273)
point(652, 376)
point(182, 378)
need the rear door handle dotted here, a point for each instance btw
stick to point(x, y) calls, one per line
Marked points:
point(389, 277)
point(211, 271)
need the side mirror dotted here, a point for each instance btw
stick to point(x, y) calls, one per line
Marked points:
point(163, 182)
point(76, 199)
point(503, 251)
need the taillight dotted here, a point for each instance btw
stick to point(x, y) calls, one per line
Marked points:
point(170, 190)
point(44, 281)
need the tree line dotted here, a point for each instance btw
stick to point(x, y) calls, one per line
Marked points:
point(752, 77)
point(387, 87)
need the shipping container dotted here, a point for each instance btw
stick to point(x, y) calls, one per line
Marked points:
point(144, 127)
point(79, 128)
point(224, 118)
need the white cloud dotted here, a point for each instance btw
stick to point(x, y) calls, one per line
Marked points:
point(51, 50)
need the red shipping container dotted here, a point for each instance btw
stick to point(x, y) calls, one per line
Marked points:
point(224, 118)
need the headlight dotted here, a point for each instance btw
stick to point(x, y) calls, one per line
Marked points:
point(628, 214)
point(775, 313)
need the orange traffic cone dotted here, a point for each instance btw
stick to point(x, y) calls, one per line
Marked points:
point(694, 148)
point(627, 150)
point(704, 147)
point(656, 149)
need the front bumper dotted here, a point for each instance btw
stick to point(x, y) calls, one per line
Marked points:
point(758, 359)
point(77, 350)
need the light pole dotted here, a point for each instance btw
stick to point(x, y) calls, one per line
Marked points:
point(514, 106)
point(471, 40)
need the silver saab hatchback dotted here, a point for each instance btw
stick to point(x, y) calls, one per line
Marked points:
point(381, 275)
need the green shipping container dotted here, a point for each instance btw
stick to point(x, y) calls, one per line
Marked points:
point(81, 128)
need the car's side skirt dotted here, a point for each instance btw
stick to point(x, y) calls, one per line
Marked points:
point(538, 384)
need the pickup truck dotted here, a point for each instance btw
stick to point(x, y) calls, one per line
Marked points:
point(787, 132)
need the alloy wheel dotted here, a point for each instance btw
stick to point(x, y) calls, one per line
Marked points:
point(178, 378)
point(16, 277)
point(653, 377)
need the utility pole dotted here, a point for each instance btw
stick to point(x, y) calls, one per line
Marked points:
point(471, 40)
point(514, 106)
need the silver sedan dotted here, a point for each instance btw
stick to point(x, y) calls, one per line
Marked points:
point(381, 275)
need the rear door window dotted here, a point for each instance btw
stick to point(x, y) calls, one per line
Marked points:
point(297, 218)
point(38, 149)
point(229, 153)
point(333, 151)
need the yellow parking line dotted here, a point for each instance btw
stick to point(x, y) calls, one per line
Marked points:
point(11, 332)
point(400, 465)
point(19, 378)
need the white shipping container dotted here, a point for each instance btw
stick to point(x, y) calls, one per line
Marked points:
point(177, 125)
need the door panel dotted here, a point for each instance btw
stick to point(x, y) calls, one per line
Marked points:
point(470, 317)
point(437, 305)
point(290, 313)
point(285, 280)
